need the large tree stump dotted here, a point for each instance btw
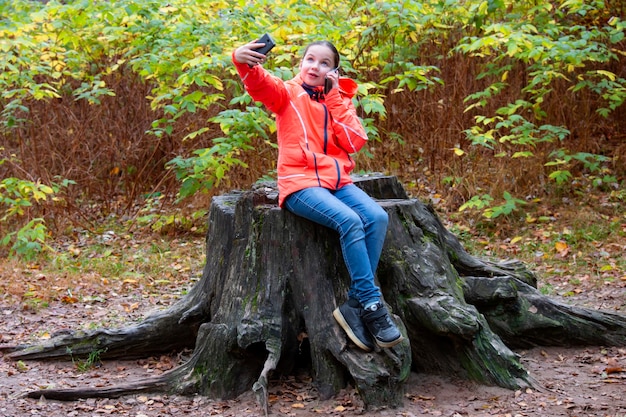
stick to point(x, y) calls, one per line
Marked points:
point(272, 280)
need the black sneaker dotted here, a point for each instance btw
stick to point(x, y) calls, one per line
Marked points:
point(379, 323)
point(348, 315)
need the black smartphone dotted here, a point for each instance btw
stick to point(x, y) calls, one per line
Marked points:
point(328, 84)
point(269, 44)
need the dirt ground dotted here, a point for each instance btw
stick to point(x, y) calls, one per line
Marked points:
point(581, 381)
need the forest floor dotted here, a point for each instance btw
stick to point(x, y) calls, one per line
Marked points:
point(126, 277)
point(580, 381)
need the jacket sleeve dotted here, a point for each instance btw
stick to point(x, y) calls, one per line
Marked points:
point(347, 126)
point(263, 86)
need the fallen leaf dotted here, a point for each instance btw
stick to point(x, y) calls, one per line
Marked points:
point(130, 307)
point(562, 248)
point(69, 299)
point(21, 366)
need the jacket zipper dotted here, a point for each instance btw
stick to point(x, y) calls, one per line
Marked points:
point(326, 120)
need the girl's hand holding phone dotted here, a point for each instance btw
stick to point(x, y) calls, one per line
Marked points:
point(254, 53)
point(332, 80)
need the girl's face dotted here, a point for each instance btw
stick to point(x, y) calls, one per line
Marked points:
point(317, 61)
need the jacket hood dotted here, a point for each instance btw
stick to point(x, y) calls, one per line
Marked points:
point(348, 87)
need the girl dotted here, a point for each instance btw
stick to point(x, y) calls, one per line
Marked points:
point(317, 130)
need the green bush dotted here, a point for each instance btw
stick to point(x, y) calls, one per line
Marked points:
point(182, 51)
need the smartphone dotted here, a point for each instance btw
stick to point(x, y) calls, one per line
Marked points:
point(328, 84)
point(269, 44)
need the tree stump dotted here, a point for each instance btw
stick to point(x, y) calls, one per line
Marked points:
point(272, 279)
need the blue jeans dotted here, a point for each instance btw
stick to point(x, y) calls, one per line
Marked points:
point(362, 226)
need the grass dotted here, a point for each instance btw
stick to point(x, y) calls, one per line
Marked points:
point(91, 361)
point(91, 271)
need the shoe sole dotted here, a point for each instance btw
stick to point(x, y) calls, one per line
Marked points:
point(389, 344)
point(344, 325)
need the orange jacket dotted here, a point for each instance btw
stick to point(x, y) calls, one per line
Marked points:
point(315, 138)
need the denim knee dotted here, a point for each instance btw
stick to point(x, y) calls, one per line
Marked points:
point(380, 218)
point(351, 223)
point(377, 219)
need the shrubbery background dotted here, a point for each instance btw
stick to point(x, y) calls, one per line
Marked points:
point(121, 107)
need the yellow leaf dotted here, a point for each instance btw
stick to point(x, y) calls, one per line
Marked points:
point(21, 366)
point(515, 240)
point(561, 246)
point(458, 151)
point(340, 408)
point(167, 9)
point(611, 76)
point(297, 405)
point(69, 299)
point(46, 189)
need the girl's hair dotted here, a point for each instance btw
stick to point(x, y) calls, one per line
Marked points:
point(327, 44)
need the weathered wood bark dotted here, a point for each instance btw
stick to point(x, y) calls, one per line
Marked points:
point(272, 279)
